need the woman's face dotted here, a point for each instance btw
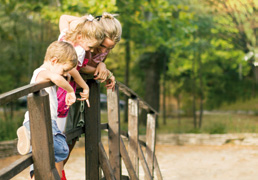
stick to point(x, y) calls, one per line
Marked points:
point(106, 45)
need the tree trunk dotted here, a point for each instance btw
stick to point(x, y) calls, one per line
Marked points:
point(178, 112)
point(193, 93)
point(201, 88)
point(152, 88)
point(127, 70)
point(164, 99)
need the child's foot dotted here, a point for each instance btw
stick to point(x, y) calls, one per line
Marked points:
point(23, 145)
point(63, 175)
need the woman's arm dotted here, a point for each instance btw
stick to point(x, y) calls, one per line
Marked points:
point(100, 72)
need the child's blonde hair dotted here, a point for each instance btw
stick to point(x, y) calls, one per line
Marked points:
point(112, 27)
point(63, 51)
point(88, 28)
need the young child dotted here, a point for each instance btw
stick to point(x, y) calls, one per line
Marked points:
point(60, 58)
point(95, 65)
point(84, 34)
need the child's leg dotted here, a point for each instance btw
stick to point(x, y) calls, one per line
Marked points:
point(23, 145)
point(59, 167)
point(61, 148)
point(71, 146)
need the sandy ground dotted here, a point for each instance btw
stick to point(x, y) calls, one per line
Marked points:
point(227, 162)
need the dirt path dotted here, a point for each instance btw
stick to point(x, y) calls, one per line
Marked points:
point(227, 162)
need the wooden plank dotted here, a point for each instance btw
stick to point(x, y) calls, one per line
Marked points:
point(16, 167)
point(23, 91)
point(157, 169)
point(41, 136)
point(144, 163)
point(105, 164)
point(127, 161)
point(125, 135)
point(130, 93)
point(123, 178)
point(73, 133)
point(92, 132)
point(133, 132)
point(114, 131)
point(104, 126)
point(150, 141)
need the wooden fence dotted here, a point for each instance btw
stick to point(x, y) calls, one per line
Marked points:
point(96, 157)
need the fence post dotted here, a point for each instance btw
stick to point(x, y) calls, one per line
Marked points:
point(92, 132)
point(150, 141)
point(114, 131)
point(41, 136)
point(133, 132)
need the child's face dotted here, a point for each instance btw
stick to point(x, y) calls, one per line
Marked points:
point(88, 44)
point(106, 45)
point(61, 69)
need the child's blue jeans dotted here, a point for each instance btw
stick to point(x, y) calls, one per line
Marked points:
point(61, 149)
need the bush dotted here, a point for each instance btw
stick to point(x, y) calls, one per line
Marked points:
point(217, 128)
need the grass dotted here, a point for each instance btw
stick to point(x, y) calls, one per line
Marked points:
point(213, 124)
point(8, 127)
point(246, 105)
point(217, 123)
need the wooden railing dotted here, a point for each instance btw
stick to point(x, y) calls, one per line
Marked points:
point(96, 156)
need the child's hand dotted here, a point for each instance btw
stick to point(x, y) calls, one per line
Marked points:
point(85, 96)
point(70, 98)
point(110, 83)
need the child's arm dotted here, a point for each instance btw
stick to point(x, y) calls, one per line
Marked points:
point(78, 79)
point(59, 81)
point(65, 20)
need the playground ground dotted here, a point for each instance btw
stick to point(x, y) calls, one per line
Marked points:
point(188, 162)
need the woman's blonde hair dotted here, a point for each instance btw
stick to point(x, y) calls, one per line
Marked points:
point(88, 28)
point(112, 27)
point(63, 51)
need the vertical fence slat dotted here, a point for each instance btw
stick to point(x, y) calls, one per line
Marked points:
point(150, 141)
point(105, 164)
point(144, 163)
point(92, 132)
point(133, 132)
point(127, 161)
point(114, 131)
point(157, 169)
point(41, 136)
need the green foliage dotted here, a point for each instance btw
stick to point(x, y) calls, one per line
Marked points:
point(8, 127)
point(202, 50)
point(217, 128)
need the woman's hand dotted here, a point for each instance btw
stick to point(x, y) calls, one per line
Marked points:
point(101, 72)
point(111, 82)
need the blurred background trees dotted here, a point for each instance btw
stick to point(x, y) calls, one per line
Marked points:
point(181, 56)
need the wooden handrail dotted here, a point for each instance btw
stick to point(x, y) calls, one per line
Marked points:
point(130, 93)
point(23, 91)
point(16, 167)
point(96, 154)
